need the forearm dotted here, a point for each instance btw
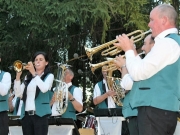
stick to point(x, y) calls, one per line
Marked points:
point(77, 106)
point(11, 107)
point(100, 99)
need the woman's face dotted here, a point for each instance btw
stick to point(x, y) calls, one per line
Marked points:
point(40, 62)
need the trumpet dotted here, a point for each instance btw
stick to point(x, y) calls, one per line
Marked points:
point(109, 62)
point(18, 66)
point(113, 50)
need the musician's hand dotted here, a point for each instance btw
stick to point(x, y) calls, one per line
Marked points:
point(111, 93)
point(119, 62)
point(11, 97)
point(30, 67)
point(53, 99)
point(124, 42)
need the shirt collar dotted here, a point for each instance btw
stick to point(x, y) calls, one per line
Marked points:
point(166, 32)
point(69, 84)
point(104, 81)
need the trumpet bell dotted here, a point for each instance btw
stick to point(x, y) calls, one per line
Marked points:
point(18, 66)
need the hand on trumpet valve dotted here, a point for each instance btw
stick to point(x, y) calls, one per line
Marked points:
point(30, 67)
point(119, 61)
point(124, 42)
point(111, 93)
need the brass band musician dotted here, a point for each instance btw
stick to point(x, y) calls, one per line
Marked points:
point(102, 95)
point(127, 83)
point(5, 84)
point(158, 94)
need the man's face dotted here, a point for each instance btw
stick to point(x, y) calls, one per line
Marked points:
point(156, 22)
point(67, 76)
point(147, 45)
point(104, 73)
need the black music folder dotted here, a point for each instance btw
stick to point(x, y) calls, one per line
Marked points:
point(108, 112)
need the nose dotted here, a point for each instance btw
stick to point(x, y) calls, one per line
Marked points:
point(149, 24)
point(142, 48)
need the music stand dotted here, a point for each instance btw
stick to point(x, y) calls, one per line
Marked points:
point(64, 121)
point(107, 112)
point(14, 120)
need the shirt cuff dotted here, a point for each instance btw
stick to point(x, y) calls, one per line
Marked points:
point(129, 53)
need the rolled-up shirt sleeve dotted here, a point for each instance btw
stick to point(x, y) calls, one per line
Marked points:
point(77, 94)
point(5, 84)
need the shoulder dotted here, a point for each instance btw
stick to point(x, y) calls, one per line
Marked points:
point(99, 82)
point(77, 88)
point(6, 73)
point(50, 75)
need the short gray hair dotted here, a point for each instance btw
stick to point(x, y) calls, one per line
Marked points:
point(168, 11)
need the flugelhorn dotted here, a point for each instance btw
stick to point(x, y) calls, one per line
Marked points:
point(113, 50)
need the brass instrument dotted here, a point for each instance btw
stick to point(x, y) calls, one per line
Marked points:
point(61, 89)
point(115, 85)
point(110, 64)
point(19, 66)
point(113, 50)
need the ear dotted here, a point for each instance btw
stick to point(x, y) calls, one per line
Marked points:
point(71, 77)
point(164, 20)
point(46, 63)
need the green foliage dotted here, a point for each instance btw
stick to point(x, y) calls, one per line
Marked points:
point(64, 27)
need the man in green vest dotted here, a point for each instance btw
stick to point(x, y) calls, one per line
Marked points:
point(129, 85)
point(74, 98)
point(102, 94)
point(5, 84)
point(157, 96)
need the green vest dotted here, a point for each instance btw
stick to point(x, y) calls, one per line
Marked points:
point(103, 103)
point(70, 111)
point(127, 110)
point(3, 99)
point(162, 90)
point(42, 104)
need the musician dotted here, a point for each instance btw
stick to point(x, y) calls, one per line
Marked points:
point(5, 84)
point(157, 96)
point(102, 96)
point(34, 91)
point(128, 84)
point(74, 96)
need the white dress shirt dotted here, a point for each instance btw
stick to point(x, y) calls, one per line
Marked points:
point(77, 94)
point(44, 86)
point(127, 81)
point(97, 92)
point(165, 51)
point(5, 84)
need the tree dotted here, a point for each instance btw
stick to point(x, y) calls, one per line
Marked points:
point(63, 27)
